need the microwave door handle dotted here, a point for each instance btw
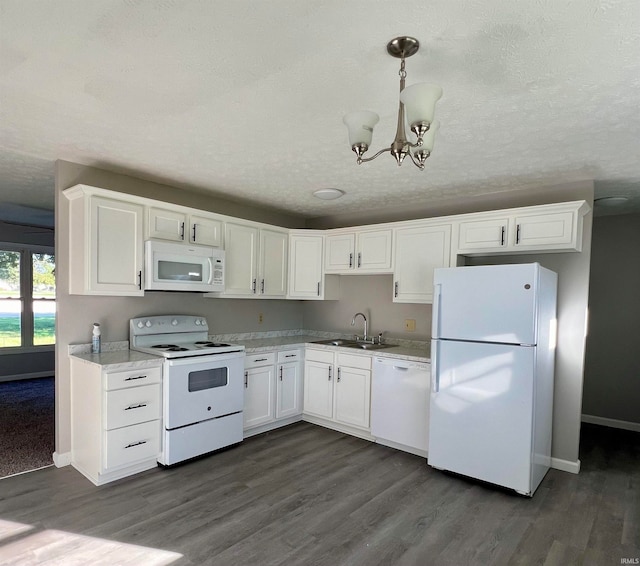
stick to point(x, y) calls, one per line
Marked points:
point(210, 260)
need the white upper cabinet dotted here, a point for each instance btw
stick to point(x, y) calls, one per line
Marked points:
point(106, 246)
point(418, 251)
point(545, 228)
point(366, 251)
point(306, 271)
point(182, 226)
point(256, 261)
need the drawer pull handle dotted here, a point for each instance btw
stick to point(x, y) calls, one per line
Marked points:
point(260, 360)
point(136, 377)
point(139, 406)
point(133, 444)
point(290, 355)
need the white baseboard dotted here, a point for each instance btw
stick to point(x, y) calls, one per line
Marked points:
point(62, 459)
point(613, 423)
point(565, 465)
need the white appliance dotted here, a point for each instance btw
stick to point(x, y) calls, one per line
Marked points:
point(492, 356)
point(400, 404)
point(202, 385)
point(182, 267)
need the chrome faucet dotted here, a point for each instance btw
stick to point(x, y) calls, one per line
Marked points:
point(353, 323)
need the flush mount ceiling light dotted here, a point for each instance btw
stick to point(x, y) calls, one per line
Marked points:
point(328, 194)
point(419, 101)
point(611, 201)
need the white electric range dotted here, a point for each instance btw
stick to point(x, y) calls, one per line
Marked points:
point(202, 387)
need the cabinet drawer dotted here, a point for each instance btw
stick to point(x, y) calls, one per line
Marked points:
point(354, 361)
point(133, 405)
point(132, 378)
point(325, 356)
point(289, 356)
point(131, 444)
point(261, 359)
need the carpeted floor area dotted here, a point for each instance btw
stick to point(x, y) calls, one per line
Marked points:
point(27, 425)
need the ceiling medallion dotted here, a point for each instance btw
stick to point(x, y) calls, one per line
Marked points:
point(419, 101)
point(328, 194)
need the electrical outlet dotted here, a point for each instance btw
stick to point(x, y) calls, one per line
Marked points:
point(410, 325)
point(260, 318)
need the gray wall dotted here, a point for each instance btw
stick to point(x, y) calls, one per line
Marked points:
point(371, 295)
point(77, 313)
point(612, 373)
point(32, 364)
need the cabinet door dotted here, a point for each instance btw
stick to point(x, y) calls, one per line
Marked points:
point(205, 231)
point(288, 390)
point(166, 224)
point(116, 248)
point(273, 263)
point(305, 267)
point(483, 234)
point(353, 396)
point(258, 396)
point(318, 389)
point(340, 253)
point(374, 251)
point(418, 251)
point(544, 231)
point(241, 247)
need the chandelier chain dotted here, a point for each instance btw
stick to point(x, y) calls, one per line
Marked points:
point(402, 72)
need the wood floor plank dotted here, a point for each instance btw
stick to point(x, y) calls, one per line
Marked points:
point(306, 495)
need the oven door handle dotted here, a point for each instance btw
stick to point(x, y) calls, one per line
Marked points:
point(209, 359)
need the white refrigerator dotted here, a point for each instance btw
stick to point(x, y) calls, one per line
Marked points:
point(492, 356)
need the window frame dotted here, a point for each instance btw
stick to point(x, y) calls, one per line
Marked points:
point(26, 297)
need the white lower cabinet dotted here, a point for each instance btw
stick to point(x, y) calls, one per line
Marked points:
point(115, 418)
point(273, 390)
point(337, 387)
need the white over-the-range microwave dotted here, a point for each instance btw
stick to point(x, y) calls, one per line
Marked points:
point(183, 267)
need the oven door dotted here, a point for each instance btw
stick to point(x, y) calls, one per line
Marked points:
point(202, 387)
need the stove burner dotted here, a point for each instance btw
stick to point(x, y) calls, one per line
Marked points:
point(164, 346)
point(177, 349)
point(208, 344)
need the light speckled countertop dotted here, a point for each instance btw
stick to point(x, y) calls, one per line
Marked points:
point(125, 358)
point(417, 354)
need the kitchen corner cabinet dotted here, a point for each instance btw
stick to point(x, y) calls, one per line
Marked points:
point(418, 252)
point(337, 388)
point(273, 389)
point(306, 271)
point(115, 418)
point(367, 251)
point(178, 226)
point(256, 264)
point(106, 246)
point(536, 229)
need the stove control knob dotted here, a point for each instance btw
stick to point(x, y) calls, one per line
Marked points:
point(198, 323)
point(140, 324)
point(148, 324)
point(174, 322)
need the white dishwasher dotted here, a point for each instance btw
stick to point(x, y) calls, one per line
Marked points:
point(400, 404)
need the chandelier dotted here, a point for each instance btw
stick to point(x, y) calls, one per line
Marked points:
point(419, 102)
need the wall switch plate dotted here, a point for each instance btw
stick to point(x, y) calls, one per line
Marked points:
point(410, 325)
point(260, 318)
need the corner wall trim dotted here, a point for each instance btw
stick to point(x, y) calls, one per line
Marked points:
point(62, 460)
point(613, 423)
point(565, 465)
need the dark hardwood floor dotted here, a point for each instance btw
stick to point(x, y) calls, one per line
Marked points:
point(304, 495)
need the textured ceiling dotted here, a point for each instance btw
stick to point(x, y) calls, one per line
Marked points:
point(245, 99)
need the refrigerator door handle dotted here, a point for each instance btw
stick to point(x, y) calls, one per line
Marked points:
point(435, 368)
point(437, 292)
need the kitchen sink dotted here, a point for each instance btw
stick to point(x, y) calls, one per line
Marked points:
point(335, 342)
point(353, 344)
point(367, 346)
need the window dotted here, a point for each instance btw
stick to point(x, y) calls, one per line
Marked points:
point(27, 297)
